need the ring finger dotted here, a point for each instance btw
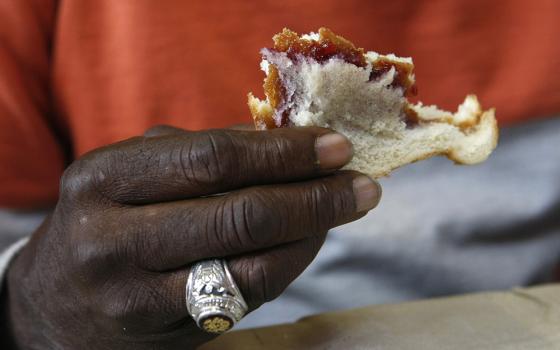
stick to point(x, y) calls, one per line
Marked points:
point(261, 277)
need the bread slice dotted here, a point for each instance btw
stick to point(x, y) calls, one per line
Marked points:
point(322, 79)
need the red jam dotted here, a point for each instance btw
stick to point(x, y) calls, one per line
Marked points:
point(403, 70)
point(328, 46)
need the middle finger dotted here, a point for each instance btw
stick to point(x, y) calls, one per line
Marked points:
point(170, 235)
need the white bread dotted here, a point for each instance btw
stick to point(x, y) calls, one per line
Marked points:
point(386, 130)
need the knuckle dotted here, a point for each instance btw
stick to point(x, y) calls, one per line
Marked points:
point(328, 202)
point(85, 177)
point(323, 208)
point(209, 157)
point(252, 219)
point(292, 146)
point(279, 154)
point(89, 255)
point(136, 302)
point(93, 253)
point(257, 283)
point(75, 180)
point(117, 308)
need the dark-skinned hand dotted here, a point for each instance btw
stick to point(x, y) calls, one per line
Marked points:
point(107, 269)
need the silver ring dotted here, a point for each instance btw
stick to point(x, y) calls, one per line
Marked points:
point(213, 299)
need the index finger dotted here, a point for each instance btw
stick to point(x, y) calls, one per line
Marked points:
point(182, 166)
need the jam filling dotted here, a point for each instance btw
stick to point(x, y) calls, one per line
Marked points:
point(411, 117)
point(330, 46)
point(403, 70)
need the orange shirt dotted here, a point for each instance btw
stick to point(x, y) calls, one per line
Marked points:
point(76, 75)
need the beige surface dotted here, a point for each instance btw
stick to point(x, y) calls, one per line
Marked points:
point(520, 319)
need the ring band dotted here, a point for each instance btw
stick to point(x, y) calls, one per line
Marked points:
point(213, 299)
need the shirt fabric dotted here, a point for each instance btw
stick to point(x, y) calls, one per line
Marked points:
point(76, 75)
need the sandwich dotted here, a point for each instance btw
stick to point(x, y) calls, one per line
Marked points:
point(322, 79)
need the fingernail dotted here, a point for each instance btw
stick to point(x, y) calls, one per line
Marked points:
point(367, 193)
point(333, 151)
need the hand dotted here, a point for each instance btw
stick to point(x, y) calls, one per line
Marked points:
point(108, 268)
